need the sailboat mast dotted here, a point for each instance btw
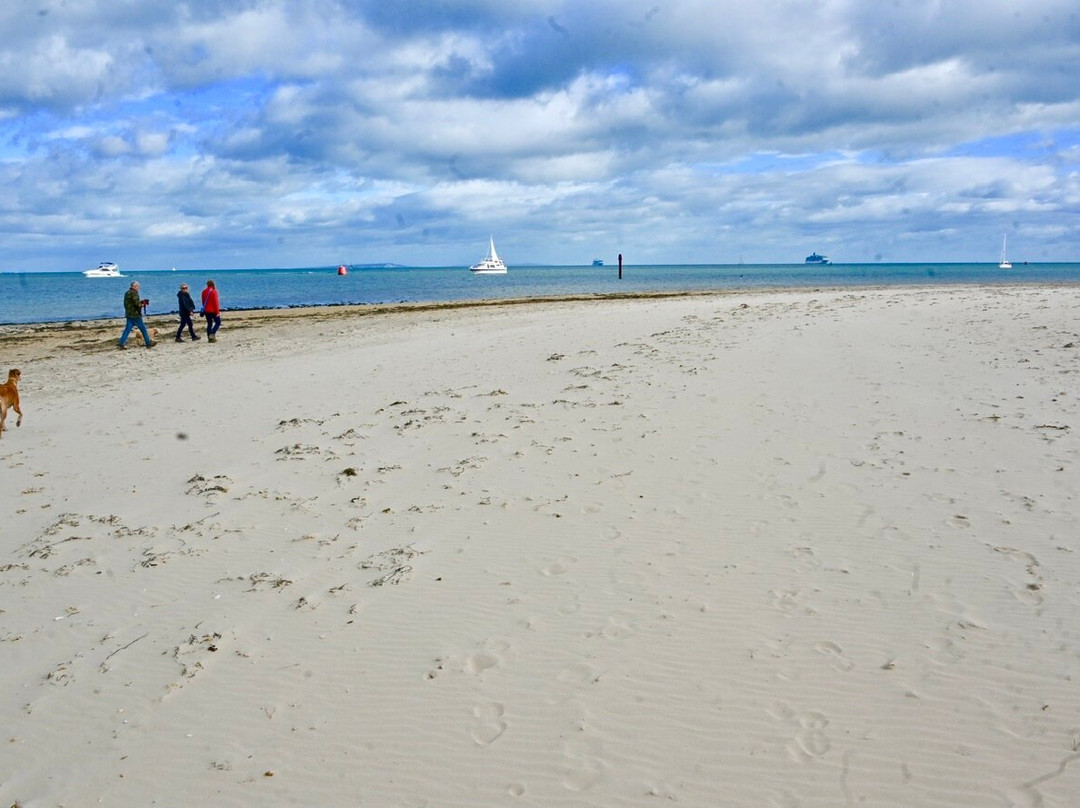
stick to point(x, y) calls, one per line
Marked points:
point(1004, 263)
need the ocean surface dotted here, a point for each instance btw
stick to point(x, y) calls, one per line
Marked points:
point(34, 297)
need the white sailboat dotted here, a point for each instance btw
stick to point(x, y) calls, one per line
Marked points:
point(492, 265)
point(1005, 263)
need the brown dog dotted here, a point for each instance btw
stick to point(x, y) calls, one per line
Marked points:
point(9, 397)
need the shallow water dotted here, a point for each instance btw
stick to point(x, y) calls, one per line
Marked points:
point(62, 296)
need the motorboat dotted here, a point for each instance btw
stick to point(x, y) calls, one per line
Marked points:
point(106, 269)
point(492, 265)
point(814, 258)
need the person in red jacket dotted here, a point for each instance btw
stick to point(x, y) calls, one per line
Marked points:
point(211, 310)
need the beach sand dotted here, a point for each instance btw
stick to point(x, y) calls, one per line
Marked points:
point(796, 548)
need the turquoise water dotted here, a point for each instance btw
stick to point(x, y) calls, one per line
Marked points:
point(63, 296)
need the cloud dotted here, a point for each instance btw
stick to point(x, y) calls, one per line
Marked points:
point(271, 132)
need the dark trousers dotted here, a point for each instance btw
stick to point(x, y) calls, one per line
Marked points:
point(213, 323)
point(185, 320)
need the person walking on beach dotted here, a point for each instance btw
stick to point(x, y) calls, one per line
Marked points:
point(211, 309)
point(187, 308)
point(133, 309)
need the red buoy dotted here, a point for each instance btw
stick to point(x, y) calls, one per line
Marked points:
point(341, 270)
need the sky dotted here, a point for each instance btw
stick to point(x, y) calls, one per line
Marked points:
point(281, 133)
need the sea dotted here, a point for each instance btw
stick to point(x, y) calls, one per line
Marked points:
point(57, 297)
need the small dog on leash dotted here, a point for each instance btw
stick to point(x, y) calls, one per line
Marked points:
point(9, 398)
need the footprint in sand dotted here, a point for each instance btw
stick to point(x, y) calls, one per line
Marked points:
point(1027, 559)
point(1029, 592)
point(612, 533)
point(786, 600)
point(488, 724)
point(811, 738)
point(807, 556)
point(944, 651)
point(585, 766)
point(835, 654)
point(807, 731)
point(481, 661)
point(560, 567)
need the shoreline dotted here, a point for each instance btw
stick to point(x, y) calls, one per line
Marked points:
point(249, 316)
point(362, 309)
point(29, 341)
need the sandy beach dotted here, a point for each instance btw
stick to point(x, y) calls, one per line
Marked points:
point(789, 548)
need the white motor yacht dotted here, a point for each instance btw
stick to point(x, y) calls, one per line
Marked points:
point(106, 269)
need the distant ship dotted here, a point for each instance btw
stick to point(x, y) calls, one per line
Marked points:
point(492, 265)
point(814, 258)
point(106, 269)
point(598, 262)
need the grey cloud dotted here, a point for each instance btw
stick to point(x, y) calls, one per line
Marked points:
point(326, 120)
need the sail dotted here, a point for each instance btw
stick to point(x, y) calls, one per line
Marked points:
point(492, 255)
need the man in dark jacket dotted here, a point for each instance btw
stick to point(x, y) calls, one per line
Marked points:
point(187, 308)
point(133, 308)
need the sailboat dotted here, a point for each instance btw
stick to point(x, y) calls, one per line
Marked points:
point(492, 265)
point(1005, 263)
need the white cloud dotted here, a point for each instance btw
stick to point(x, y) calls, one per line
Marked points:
point(686, 131)
point(168, 230)
point(53, 74)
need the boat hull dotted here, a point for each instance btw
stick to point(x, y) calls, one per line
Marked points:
point(106, 269)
